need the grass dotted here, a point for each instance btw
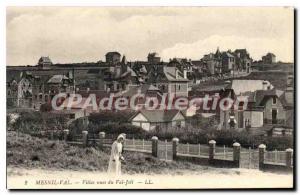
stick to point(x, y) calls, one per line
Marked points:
point(25, 151)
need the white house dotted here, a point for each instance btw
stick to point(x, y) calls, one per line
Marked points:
point(158, 119)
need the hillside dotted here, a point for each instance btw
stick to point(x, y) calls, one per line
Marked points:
point(25, 151)
point(277, 78)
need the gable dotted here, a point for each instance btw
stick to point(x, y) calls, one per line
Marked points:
point(178, 116)
point(139, 117)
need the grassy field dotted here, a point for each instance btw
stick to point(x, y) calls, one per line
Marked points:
point(25, 151)
point(31, 159)
point(277, 78)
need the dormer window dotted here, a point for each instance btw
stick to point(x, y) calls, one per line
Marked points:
point(274, 100)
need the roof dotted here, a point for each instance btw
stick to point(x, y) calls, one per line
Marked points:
point(129, 70)
point(212, 86)
point(113, 53)
point(98, 93)
point(240, 51)
point(143, 69)
point(13, 75)
point(154, 54)
point(143, 89)
point(45, 59)
point(57, 79)
point(270, 54)
point(197, 62)
point(170, 73)
point(93, 71)
point(228, 54)
point(159, 115)
point(260, 97)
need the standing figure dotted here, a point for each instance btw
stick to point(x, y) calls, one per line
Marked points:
point(114, 166)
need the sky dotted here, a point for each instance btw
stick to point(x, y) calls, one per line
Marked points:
point(86, 34)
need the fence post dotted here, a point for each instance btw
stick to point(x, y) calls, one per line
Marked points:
point(249, 158)
point(51, 135)
point(154, 146)
point(143, 143)
point(261, 155)
point(212, 149)
point(84, 138)
point(237, 153)
point(166, 150)
point(66, 134)
point(101, 140)
point(175, 142)
point(289, 157)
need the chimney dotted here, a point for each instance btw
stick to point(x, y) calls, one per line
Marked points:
point(185, 73)
point(289, 95)
point(290, 80)
point(176, 73)
point(265, 85)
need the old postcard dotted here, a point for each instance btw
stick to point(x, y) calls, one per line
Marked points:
point(150, 97)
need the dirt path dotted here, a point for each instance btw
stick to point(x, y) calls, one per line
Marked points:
point(62, 179)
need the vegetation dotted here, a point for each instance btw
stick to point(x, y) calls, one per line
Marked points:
point(277, 78)
point(37, 123)
point(110, 116)
point(26, 151)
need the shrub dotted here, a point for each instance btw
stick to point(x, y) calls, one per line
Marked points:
point(47, 107)
point(110, 116)
point(34, 122)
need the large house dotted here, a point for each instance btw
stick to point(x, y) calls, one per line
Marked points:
point(169, 80)
point(267, 110)
point(242, 90)
point(113, 57)
point(243, 60)
point(44, 62)
point(269, 58)
point(158, 119)
point(227, 61)
point(19, 89)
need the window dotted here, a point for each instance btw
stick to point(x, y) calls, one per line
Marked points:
point(274, 100)
point(72, 116)
point(274, 116)
point(178, 87)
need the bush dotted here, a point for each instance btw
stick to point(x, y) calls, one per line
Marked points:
point(35, 122)
point(47, 107)
point(110, 128)
point(110, 116)
point(186, 135)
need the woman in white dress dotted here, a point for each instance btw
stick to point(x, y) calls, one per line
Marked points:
point(114, 166)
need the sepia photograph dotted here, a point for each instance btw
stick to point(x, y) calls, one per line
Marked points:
point(150, 97)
